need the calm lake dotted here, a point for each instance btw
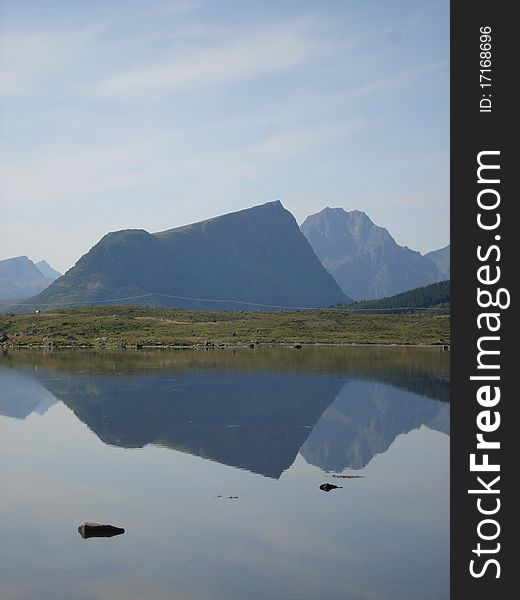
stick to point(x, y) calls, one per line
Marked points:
point(212, 462)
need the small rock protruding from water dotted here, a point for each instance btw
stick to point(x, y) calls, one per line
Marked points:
point(88, 530)
point(327, 487)
point(298, 346)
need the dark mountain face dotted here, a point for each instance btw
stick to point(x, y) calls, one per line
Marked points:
point(441, 258)
point(255, 258)
point(21, 278)
point(363, 258)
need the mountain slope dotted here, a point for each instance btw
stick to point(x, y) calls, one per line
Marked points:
point(441, 258)
point(20, 278)
point(255, 258)
point(47, 271)
point(254, 421)
point(365, 259)
point(364, 420)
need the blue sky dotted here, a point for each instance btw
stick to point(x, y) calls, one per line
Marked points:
point(123, 114)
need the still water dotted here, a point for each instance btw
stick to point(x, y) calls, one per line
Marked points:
point(212, 462)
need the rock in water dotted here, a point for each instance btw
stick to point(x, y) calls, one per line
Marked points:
point(88, 530)
point(326, 487)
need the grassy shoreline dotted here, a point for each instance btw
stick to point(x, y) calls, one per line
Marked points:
point(123, 326)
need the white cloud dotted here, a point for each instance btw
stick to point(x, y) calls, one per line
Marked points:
point(384, 83)
point(27, 58)
point(243, 57)
point(288, 143)
point(59, 178)
point(64, 175)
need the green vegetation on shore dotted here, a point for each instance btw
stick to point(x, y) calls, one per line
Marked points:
point(122, 326)
point(435, 295)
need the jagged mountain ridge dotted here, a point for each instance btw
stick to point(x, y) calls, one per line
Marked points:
point(441, 258)
point(364, 420)
point(47, 271)
point(255, 258)
point(21, 278)
point(365, 259)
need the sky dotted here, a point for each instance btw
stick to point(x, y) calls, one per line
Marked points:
point(121, 114)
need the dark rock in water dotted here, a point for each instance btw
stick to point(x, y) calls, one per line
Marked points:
point(326, 487)
point(3, 338)
point(88, 530)
point(298, 346)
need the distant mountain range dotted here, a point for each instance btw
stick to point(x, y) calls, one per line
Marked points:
point(21, 278)
point(254, 259)
point(47, 271)
point(365, 259)
point(442, 259)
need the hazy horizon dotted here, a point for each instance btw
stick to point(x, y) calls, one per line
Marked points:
point(128, 116)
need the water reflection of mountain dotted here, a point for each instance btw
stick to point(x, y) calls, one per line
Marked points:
point(364, 420)
point(421, 371)
point(256, 422)
point(21, 395)
point(255, 411)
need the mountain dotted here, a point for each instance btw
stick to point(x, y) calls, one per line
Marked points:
point(251, 259)
point(364, 420)
point(20, 278)
point(435, 295)
point(365, 259)
point(442, 259)
point(253, 410)
point(22, 394)
point(253, 421)
point(47, 271)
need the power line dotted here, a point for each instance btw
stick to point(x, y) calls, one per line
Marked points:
point(74, 303)
point(215, 300)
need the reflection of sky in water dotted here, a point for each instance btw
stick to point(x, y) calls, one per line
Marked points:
point(384, 536)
